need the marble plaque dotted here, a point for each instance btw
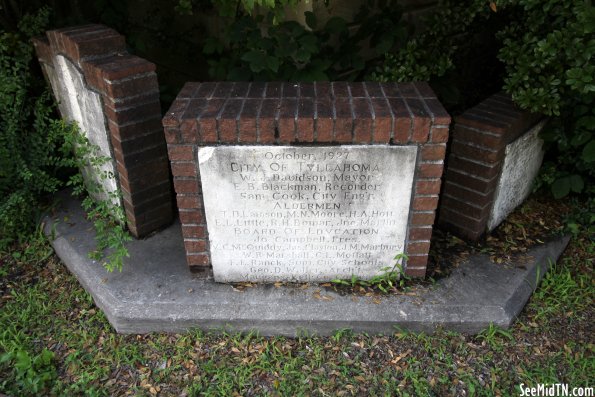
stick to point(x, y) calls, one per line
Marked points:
point(522, 161)
point(84, 106)
point(304, 214)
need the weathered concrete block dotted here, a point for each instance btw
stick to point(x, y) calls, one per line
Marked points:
point(155, 292)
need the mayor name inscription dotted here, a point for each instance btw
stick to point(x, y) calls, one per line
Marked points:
point(305, 213)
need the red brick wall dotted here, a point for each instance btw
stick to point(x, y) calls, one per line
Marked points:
point(130, 95)
point(475, 163)
point(285, 114)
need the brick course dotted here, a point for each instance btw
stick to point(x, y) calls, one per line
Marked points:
point(132, 113)
point(315, 113)
point(479, 141)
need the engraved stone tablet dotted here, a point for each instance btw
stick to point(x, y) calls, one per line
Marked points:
point(305, 213)
point(521, 165)
point(84, 106)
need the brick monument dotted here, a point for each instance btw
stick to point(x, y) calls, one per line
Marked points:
point(114, 98)
point(494, 156)
point(302, 182)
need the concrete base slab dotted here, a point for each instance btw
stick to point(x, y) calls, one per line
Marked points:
point(156, 292)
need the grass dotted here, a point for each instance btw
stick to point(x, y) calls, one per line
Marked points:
point(54, 341)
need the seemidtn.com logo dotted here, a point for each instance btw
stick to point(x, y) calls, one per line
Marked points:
point(555, 390)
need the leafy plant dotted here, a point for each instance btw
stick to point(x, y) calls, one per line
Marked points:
point(30, 138)
point(257, 48)
point(342, 334)
point(32, 375)
point(456, 53)
point(431, 53)
point(569, 139)
point(35, 251)
point(548, 56)
point(494, 335)
point(582, 219)
point(562, 290)
point(102, 206)
point(391, 277)
point(230, 8)
point(38, 151)
point(547, 53)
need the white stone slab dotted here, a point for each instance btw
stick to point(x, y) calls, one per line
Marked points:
point(305, 213)
point(79, 104)
point(522, 161)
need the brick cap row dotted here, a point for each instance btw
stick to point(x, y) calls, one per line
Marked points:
point(318, 100)
point(99, 51)
point(499, 116)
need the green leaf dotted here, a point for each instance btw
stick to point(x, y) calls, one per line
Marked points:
point(587, 122)
point(267, 44)
point(23, 361)
point(251, 56)
point(385, 44)
point(335, 25)
point(285, 51)
point(309, 43)
point(302, 56)
point(589, 152)
point(273, 63)
point(256, 59)
point(574, 228)
point(310, 19)
point(6, 357)
point(576, 183)
point(211, 46)
point(293, 28)
point(561, 187)
point(580, 138)
point(580, 110)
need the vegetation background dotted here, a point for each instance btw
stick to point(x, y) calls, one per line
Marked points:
point(539, 51)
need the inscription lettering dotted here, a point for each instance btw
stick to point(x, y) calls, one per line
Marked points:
point(305, 213)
